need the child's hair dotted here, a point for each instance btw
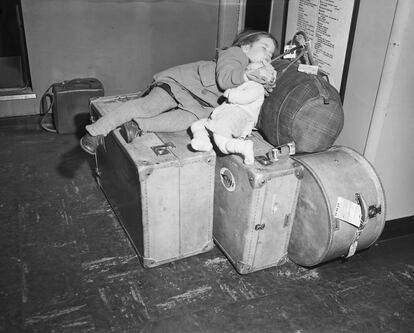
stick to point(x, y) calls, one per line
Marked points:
point(248, 37)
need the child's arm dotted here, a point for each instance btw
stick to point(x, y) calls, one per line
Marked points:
point(230, 68)
point(233, 69)
point(263, 73)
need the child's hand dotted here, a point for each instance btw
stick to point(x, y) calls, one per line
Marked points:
point(271, 83)
point(255, 75)
point(268, 88)
point(263, 73)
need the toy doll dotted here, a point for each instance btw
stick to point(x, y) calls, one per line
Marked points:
point(231, 122)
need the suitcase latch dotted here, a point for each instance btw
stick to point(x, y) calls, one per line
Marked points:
point(263, 160)
point(126, 98)
point(373, 211)
point(163, 149)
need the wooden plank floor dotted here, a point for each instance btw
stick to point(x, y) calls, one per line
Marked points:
point(67, 266)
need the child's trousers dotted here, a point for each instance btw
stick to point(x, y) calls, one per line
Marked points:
point(155, 112)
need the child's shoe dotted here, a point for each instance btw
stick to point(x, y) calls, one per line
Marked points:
point(90, 143)
point(130, 130)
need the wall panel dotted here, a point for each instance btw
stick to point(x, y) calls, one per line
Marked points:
point(121, 42)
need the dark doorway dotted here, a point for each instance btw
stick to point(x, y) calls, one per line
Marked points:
point(14, 66)
point(258, 14)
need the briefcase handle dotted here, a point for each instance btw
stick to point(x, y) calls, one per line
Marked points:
point(46, 105)
point(83, 83)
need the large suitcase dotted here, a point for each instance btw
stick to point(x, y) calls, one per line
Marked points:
point(161, 191)
point(254, 207)
point(335, 183)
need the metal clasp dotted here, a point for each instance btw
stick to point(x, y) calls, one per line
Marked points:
point(374, 210)
point(163, 149)
point(263, 160)
point(281, 151)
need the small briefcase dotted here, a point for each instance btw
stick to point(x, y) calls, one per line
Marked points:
point(69, 103)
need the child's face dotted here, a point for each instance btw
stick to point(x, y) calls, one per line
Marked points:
point(260, 50)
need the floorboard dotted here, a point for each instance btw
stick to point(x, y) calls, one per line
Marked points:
point(66, 265)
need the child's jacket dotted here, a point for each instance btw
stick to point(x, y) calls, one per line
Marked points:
point(197, 86)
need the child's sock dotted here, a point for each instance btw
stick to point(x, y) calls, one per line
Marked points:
point(248, 152)
point(201, 144)
point(243, 147)
point(201, 139)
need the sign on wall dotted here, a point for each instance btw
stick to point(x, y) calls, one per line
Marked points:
point(329, 24)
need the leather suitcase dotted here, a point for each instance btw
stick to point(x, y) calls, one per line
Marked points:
point(334, 184)
point(71, 101)
point(161, 192)
point(254, 207)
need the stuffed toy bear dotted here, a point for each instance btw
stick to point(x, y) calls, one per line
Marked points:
point(231, 122)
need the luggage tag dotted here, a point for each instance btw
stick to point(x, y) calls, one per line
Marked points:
point(290, 54)
point(308, 69)
point(355, 214)
point(348, 211)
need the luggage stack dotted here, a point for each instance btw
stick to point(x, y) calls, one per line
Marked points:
point(309, 207)
point(341, 203)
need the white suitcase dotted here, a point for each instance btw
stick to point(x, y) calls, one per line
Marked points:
point(254, 207)
point(161, 191)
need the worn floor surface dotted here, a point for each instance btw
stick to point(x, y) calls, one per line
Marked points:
point(67, 266)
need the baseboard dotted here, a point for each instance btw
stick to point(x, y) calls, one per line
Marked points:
point(398, 228)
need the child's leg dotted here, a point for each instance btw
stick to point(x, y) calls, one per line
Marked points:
point(201, 139)
point(171, 121)
point(229, 145)
point(156, 102)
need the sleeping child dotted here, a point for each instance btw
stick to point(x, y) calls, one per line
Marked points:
point(231, 122)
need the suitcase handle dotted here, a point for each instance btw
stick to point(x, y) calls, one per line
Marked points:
point(302, 43)
point(277, 153)
point(281, 151)
point(322, 91)
point(46, 106)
